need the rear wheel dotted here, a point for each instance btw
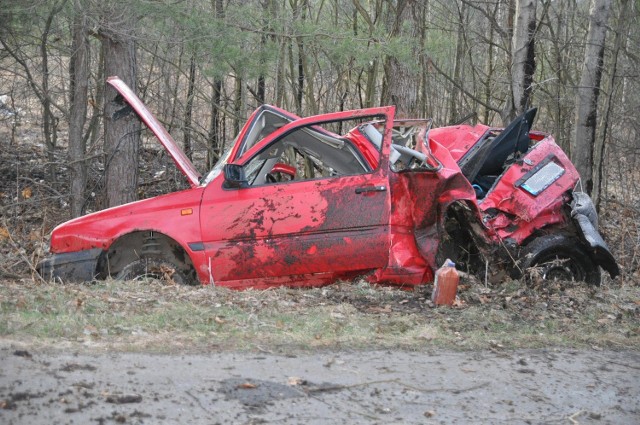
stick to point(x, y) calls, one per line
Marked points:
point(155, 268)
point(559, 257)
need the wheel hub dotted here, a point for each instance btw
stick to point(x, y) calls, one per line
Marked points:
point(562, 269)
point(558, 273)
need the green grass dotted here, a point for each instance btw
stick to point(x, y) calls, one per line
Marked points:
point(155, 317)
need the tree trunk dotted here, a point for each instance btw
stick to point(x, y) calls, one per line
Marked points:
point(237, 104)
point(93, 132)
point(215, 147)
point(215, 150)
point(370, 88)
point(454, 98)
point(79, 73)
point(188, 113)
point(372, 68)
point(399, 83)
point(299, 12)
point(261, 89)
point(424, 101)
point(600, 144)
point(588, 91)
point(523, 62)
point(49, 120)
point(173, 90)
point(121, 129)
point(490, 62)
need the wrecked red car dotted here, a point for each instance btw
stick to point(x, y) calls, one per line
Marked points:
point(299, 201)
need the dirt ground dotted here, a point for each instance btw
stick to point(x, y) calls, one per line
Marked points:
point(510, 387)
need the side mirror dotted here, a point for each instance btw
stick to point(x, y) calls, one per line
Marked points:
point(234, 177)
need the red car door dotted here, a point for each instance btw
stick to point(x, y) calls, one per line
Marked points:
point(332, 218)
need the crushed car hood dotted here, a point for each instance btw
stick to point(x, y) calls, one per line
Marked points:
point(458, 139)
point(182, 162)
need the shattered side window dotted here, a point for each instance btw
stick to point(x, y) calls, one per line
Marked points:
point(410, 148)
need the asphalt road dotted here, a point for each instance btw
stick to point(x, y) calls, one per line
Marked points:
point(492, 387)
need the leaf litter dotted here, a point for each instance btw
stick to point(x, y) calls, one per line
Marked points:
point(152, 315)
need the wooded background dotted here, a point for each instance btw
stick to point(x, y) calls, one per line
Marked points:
point(203, 66)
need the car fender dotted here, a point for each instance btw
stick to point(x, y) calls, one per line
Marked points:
point(420, 200)
point(174, 215)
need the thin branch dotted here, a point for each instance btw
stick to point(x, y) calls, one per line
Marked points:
point(461, 88)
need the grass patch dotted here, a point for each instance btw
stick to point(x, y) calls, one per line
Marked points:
point(152, 316)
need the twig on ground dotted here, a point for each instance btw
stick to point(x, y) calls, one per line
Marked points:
point(573, 417)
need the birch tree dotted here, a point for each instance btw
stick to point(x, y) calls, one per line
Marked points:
point(588, 92)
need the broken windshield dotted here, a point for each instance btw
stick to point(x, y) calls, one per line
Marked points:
point(217, 169)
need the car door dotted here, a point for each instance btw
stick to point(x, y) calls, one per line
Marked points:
point(324, 221)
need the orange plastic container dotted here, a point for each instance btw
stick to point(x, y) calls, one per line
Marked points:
point(445, 285)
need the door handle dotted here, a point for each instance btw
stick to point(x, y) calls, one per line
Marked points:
point(367, 189)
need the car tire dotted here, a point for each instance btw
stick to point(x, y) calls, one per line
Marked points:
point(559, 257)
point(155, 268)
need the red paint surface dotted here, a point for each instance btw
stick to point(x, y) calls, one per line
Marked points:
point(458, 139)
point(525, 212)
point(313, 232)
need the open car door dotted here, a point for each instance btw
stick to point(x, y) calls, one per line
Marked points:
point(327, 216)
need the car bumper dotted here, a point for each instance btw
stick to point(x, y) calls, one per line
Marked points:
point(77, 266)
point(584, 215)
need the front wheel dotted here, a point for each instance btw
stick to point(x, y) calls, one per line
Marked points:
point(155, 268)
point(559, 257)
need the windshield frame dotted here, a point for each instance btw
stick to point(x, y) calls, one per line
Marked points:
point(217, 168)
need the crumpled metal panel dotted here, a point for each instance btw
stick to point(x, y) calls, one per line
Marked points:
point(280, 230)
point(519, 212)
point(458, 139)
point(419, 200)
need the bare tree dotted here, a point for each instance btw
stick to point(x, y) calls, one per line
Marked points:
point(523, 62)
point(50, 121)
point(454, 98)
point(299, 15)
point(188, 112)
point(79, 75)
point(11, 44)
point(588, 91)
point(215, 141)
point(600, 143)
point(399, 85)
point(121, 126)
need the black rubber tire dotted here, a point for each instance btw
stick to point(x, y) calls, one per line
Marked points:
point(559, 257)
point(156, 268)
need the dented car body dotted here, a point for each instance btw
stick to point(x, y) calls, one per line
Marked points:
point(294, 202)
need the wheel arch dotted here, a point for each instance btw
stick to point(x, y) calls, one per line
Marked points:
point(140, 244)
point(459, 224)
point(560, 244)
